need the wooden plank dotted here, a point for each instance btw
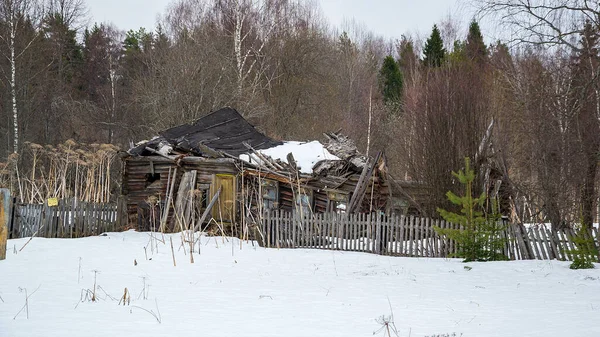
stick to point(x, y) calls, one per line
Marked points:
point(377, 237)
point(328, 231)
point(548, 243)
point(14, 221)
point(422, 229)
point(401, 233)
point(411, 235)
point(267, 229)
point(519, 242)
point(335, 231)
point(366, 220)
point(315, 232)
point(541, 244)
point(566, 244)
point(449, 242)
point(363, 183)
point(289, 223)
point(278, 230)
point(324, 231)
point(570, 240)
point(356, 233)
point(86, 216)
point(422, 238)
point(4, 218)
point(302, 229)
point(73, 220)
point(265, 218)
point(429, 234)
point(94, 224)
point(86, 219)
point(351, 243)
point(346, 237)
point(340, 231)
point(534, 240)
point(416, 236)
point(513, 241)
point(41, 219)
point(391, 230)
point(435, 238)
point(390, 237)
point(294, 231)
point(374, 230)
point(282, 231)
point(391, 245)
point(369, 233)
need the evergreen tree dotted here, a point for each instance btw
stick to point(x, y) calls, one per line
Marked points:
point(67, 57)
point(434, 51)
point(475, 47)
point(390, 79)
point(458, 53)
point(479, 236)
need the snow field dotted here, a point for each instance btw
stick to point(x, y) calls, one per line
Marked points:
point(255, 291)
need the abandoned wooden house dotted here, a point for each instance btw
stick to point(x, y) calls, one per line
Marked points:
point(222, 168)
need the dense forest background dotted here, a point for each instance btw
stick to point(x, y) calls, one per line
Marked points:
point(527, 110)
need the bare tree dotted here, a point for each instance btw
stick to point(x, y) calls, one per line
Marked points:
point(74, 13)
point(15, 15)
point(549, 22)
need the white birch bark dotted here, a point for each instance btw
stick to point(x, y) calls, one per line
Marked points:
point(12, 12)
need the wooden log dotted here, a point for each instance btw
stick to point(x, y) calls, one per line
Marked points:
point(4, 217)
point(171, 186)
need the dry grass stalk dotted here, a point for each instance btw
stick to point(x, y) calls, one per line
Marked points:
point(69, 170)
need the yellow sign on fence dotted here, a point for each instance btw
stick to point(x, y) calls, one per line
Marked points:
point(52, 202)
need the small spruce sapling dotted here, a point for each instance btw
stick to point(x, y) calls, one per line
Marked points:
point(585, 252)
point(479, 235)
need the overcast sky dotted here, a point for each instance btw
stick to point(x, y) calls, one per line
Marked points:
point(389, 18)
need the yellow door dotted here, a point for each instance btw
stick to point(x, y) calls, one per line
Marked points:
point(225, 206)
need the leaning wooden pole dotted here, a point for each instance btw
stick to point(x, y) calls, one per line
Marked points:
point(4, 207)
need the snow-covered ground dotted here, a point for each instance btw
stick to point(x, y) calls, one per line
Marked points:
point(234, 290)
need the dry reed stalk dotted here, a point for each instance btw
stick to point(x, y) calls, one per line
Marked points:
point(173, 252)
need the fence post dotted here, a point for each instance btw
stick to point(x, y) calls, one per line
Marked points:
point(4, 207)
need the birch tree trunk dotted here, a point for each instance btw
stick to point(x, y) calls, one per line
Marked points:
point(13, 82)
point(14, 13)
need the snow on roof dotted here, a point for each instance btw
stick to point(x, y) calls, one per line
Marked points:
point(305, 154)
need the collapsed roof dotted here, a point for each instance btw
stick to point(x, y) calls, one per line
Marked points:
point(224, 130)
point(225, 133)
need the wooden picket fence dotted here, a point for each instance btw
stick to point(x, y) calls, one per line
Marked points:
point(70, 219)
point(402, 236)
